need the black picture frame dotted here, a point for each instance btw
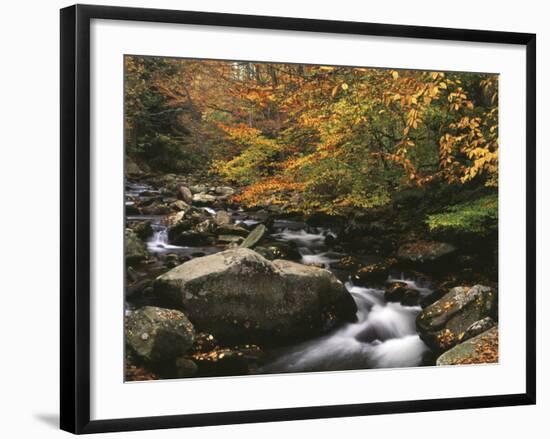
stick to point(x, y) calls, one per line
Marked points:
point(75, 217)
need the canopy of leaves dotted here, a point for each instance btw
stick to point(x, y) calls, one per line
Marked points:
point(313, 138)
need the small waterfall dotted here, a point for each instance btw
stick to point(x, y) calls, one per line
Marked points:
point(323, 259)
point(301, 237)
point(158, 243)
point(384, 335)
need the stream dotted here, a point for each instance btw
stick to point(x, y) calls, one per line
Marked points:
point(384, 334)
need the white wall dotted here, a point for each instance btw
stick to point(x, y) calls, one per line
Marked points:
point(29, 206)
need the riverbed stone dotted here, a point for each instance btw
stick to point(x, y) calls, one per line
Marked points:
point(224, 190)
point(366, 269)
point(159, 334)
point(443, 323)
point(185, 194)
point(255, 236)
point(203, 199)
point(480, 349)
point(279, 250)
point(143, 229)
point(239, 295)
point(477, 328)
point(179, 205)
point(135, 250)
point(230, 239)
point(402, 293)
point(232, 229)
point(222, 218)
point(424, 251)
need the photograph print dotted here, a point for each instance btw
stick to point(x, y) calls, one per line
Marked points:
point(292, 218)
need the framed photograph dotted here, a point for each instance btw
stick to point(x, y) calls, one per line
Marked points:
point(268, 218)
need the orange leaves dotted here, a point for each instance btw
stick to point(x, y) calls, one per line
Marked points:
point(413, 118)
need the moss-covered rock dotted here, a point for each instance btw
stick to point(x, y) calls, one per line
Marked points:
point(135, 250)
point(143, 229)
point(477, 350)
point(239, 295)
point(443, 323)
point(159, 334)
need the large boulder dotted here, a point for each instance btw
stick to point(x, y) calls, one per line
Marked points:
point(477, 350)
point(159, 334)
point(239, 295)
point(419, 252)
point(135, 250)
point(443, 324)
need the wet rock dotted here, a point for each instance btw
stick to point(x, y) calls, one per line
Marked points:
point(135, 250)
point(185, 194)
point(222, 218)
point(204, 342)
point(203, 199)
point(437, 294)
point(193, 238)
point(198, 188)
point(229, 239)
point(254, 237)
point(132, 274)
point(186, 368)
point(171, 260)
point(190, 227)
point(179, 205)
point(394, 291)
point(159, 334)
point(480, 349)
point(132, 209)
point(232, 229)
point(400, 292)
point(366, 269)
point(411, 297)
point(224, 190)
point(206, 226)
point(443, 323)
point(424, 251)
point(143, 229)
point(279, 250)
point(156, 208)
point(477, 328)
point(239, 295)
point(240, 360)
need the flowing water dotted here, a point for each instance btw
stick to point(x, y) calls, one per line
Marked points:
point(384, 334)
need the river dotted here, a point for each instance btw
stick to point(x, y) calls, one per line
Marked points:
point(384, 334)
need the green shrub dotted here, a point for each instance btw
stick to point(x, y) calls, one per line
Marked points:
point(478, 216)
